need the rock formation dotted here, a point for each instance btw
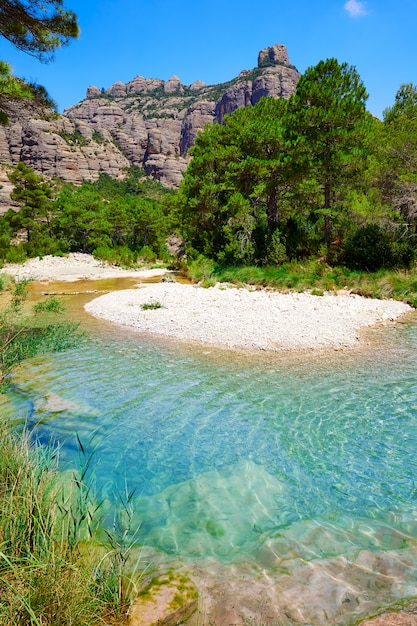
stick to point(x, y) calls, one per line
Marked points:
point(146, 122)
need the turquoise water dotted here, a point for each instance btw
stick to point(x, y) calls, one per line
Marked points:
point(233, 456)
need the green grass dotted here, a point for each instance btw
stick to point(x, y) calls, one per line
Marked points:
point(150, 306)
point(313, 276)
point(52, 572)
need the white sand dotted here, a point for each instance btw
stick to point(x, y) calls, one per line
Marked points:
point(75, 266)
point(247, 319)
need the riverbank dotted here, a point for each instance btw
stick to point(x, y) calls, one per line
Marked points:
point(247, 319)
point(225, 316)
point(75, 266)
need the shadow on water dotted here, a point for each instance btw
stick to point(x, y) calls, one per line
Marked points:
point(291, 474)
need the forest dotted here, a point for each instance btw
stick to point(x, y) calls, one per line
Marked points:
point(315, 176)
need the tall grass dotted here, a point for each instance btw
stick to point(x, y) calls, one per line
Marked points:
point(315, 276)
point(49, 574)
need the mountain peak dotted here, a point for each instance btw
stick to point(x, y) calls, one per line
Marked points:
point(274, 55)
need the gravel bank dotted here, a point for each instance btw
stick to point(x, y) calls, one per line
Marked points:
point(75, 266)
point(245, 319)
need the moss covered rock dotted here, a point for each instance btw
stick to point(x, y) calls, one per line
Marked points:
point(168, 600)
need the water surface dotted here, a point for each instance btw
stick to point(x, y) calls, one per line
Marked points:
point(241, 458)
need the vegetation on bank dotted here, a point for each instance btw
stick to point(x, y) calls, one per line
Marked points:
point(117, 221)
point(25, 332)
point(312, 275)
point(52, 569)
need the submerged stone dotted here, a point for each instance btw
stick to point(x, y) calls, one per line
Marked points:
point(169, 600)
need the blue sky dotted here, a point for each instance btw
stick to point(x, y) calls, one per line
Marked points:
point(213, 42)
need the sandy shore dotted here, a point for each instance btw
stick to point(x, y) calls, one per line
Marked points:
point(75, 266)
point(247, 319)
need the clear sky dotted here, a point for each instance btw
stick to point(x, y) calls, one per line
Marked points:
point(214, 41)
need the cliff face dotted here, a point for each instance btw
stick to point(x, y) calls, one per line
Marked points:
point(146, 122)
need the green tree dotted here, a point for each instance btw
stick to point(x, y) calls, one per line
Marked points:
point(237, 188)
point(37, 27)
point(326, 120)
point(82, 219)
point(398, 156)
point(35, 197)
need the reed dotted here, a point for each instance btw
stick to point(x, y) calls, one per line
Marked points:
point(52, 572)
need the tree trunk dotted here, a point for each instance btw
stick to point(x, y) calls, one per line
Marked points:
point(327, 206)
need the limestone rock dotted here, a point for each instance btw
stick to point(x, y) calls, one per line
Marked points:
point(144, 85)
point(117, 90)
point(235, 97)
point(168, 170)
point(275, 81)
point(93, 92)
point(169, 600)
point(274, 54)
point(198, 115)
point(173, 85)
point(146, 122)
point(196, 85)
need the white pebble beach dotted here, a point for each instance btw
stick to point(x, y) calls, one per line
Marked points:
point(247, 319)
point(224, 316)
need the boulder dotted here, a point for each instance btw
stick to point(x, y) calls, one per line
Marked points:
point(93, 92)
point(117, 90)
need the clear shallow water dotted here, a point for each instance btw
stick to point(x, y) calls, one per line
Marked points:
point(241, 458)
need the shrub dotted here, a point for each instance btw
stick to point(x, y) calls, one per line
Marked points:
point(372, 248)
point(276, 250)
point(121, 255)
point(147, 254)
point(16, 254)
point(201, 269)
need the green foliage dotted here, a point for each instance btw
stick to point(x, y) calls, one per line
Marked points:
point(37, 27)
point(276, 250)
point(75, 138)
point(235, 191)
point(13, 89)
point(24, 334)
point(317, 276)
point(117, 221)
point(372, 248)
point(35, 197)
point(151, 306)
point(201, 269)
point(51, 573)
point(327, 114)
point(97, 137)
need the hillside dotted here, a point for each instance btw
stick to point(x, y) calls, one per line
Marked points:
point(147, 122)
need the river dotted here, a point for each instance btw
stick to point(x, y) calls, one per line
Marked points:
point(298, 472)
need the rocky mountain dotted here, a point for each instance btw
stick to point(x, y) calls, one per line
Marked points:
point(147, 122)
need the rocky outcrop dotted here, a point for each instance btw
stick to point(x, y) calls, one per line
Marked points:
point(275, 55)
point(198, 115)
point(146, 122)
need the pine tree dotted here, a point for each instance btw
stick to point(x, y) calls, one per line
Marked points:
point(327, 112)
